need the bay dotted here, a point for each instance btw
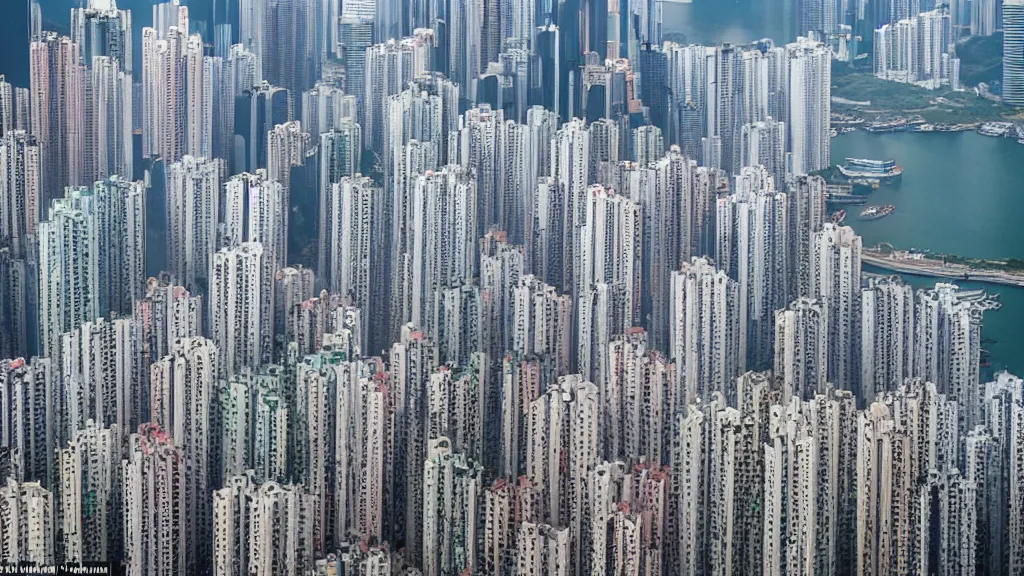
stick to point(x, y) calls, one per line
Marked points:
point(960, 194)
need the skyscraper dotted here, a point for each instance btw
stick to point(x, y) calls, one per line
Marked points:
point(389, 67)
point(291, 54)
point(753, 248)
point(164, 102)
point(57, 113)
point(100, 29)
point(563, 441)
point(1013, 52)
point(567, 210)
point(27, 394)
point(90, 495)
point(543, 322)
point(669, 215)
point(443, 250)
point(835, 260)
point(232, 512)
point(182, 399)
point(105, 381)
point(280, 530)
point(27, 524)
point(806, 196)
point(412, 360)
point(810, 105)
point(610, 248)
point(764, 143)
point(326, 107)
point(155, 510)
point(258, 110)
point(193, 208)
point(887, 337)
point(21, 199)
point(93, 283)
point(109, 121)
point(801, 349)
point(948, 348)
point(353, 238)
point(255, 210)
point(241, 318)
point(705, 332)
point(452, 485)
point(639, 394)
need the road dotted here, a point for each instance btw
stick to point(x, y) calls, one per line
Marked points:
point(939, 270)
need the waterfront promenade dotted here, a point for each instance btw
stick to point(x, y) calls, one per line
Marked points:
point(938, 269)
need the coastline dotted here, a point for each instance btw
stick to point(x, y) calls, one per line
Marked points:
point(934, 269)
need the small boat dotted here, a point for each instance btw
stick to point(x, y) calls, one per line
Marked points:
point(876, 212)
point(838, 217)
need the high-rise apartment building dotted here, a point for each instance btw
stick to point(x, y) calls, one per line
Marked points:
point(810, 105)
point(27, 524)
point(326, 107)
point(21, 198)
point(452, 484)
point(390, 65)
point(156, 515)
point(30, 425)
point(542, 322)
point(57, 107)
point(413, 358)
point(353, 238)
point(705, 332)
point(109, 143)
point(102, 30)
point(948, 348)
point(182, 398)
point(835, 260)
point(563, 444)
point(801, 349)
point(753, 248)
point(887, 336)
point(164, 102)
point(92, 282)
point(255, 209)
point(639, 394)
point(90, 495)
point(100, 364)
point(443, 249)
point(232, 512)
point(240, 311)
point(280, 530)
point(193, 208)
point(806, 196)
point(764, 144)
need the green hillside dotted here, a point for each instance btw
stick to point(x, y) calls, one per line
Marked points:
point(981, 59)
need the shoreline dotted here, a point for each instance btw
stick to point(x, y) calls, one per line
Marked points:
point(939, 271)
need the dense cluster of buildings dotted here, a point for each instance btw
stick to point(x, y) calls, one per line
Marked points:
point(918, 50)
point(367, 288)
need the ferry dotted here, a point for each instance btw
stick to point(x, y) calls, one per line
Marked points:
point(883, 170)
point(876, 212)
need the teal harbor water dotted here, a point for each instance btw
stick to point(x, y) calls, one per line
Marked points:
point(960, 194)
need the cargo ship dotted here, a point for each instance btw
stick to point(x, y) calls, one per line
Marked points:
point(876, 212)
point(882, 170)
